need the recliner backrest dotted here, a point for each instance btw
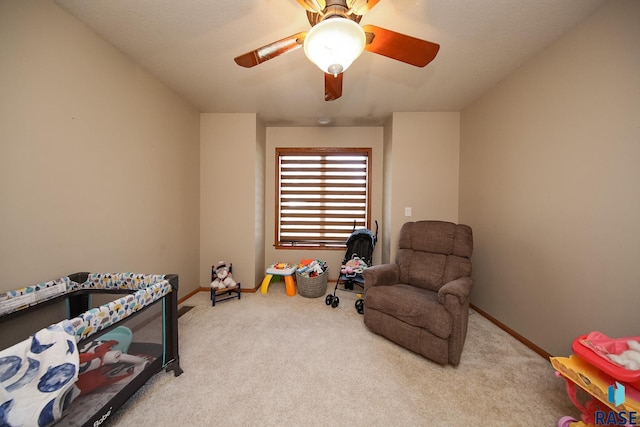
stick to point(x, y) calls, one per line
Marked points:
point(432, 253)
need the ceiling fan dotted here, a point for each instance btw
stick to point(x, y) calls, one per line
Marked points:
point(336, 39)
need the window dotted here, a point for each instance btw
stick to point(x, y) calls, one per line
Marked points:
point(321, 193)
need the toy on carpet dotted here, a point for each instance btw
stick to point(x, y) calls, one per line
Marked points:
point(223, 277)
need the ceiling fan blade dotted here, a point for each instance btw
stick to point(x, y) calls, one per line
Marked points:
point(332, 86)
point(360, 7)
point(267, 52)
point(316, 6)
point(400, 47)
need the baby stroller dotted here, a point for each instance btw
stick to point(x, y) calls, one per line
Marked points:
point(359, 255)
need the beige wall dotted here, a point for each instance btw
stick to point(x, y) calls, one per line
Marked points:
point(550, 184)
point(384, 238)
point(99, 160)
point(422, 163)
point(259, 219)
point(319, 137)
point(232, 193)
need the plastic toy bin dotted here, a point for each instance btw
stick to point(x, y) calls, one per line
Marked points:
point(615, 371)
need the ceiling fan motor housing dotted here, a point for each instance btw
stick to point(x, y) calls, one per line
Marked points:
point(333, 9)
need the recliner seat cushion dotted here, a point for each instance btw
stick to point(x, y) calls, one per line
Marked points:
point(414, 306)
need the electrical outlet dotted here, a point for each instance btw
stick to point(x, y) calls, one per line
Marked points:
point(407, 211)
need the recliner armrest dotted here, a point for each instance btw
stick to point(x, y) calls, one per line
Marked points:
point(459, 288)
point(380, 275)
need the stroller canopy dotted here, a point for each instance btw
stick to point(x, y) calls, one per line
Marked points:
point(361, 243)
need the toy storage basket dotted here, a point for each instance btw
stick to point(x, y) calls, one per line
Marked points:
point(312, 287)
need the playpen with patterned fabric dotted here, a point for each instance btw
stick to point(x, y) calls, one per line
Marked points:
point(76, 348)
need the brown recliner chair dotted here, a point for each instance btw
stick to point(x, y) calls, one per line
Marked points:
point(421, 302)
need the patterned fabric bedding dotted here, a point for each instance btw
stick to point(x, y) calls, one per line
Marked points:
point(37, 377)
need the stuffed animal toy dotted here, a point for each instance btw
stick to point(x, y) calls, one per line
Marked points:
point(630, 359)
point(353, 267)
point(223, 278)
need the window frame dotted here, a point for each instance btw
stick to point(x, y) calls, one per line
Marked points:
point(321, 244)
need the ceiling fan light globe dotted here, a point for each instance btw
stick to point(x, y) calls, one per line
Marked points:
point(334, 44)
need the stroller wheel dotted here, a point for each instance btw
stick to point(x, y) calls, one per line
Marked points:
point(335, 302)
point(329, 299)
point(360, 306)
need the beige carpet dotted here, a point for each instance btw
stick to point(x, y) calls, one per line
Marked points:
point(273, 360)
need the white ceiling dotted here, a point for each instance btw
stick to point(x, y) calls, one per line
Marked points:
point(190, 46)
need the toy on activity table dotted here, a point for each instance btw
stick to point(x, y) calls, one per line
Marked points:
point(284, 269)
